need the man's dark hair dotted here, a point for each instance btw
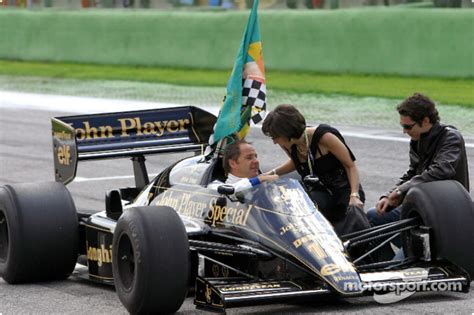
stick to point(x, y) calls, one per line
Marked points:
point(417, 107)
point(284, 121)
point(232, 152)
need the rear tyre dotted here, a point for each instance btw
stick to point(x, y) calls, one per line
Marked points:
point(446, 207)
point(150, 261)
point(38, 232)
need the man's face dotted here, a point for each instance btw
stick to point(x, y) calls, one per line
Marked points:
point(246, 165)
point(413, 129)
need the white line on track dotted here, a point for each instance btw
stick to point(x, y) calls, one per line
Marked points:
point(79, 104)
point(366, 136)
point(90, 105)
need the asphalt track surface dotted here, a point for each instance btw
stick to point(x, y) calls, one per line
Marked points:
point(26, 156)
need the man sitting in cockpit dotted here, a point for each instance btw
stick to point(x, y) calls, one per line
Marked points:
point(242, 167)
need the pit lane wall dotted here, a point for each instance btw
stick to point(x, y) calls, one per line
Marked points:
point(399, 41)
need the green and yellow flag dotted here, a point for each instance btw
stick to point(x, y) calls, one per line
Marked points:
point(245, 100)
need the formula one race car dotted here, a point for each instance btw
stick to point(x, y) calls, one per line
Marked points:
point(268, 244)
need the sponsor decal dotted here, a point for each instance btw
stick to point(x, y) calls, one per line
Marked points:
point(218, 214)
point(64, 154)
point(343, 271)
point(347, 277)
point(302, 240)
point(256, 286)
point(132, 126)
point(218, 271)
point(305, 239)
point(208, 293)
point(295, 227)
point(225, 272)
point(403, 290)
point(317, 250)
point(215, 270)
point(101, 255)
point(62, 135)
point(189, 180)
point(286, 228)
point(415, 273)
point(285, 196)
point(185, 204)
point(293, 199)
point(329, 269)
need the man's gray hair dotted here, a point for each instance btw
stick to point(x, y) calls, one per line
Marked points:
point(232, 152)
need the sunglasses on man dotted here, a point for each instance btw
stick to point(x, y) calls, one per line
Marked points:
point(408, 126)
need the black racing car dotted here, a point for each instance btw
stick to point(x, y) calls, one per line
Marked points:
point(162, 237)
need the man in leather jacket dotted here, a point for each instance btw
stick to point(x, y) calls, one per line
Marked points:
point(437, 152)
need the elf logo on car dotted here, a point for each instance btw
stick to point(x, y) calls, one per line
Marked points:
point(100, 255)
point(64, 154)
point(330, 269)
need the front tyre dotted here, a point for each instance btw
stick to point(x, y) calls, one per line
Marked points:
point(151, 260)
point(446, 207)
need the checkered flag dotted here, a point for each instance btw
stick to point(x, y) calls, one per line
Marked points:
point(245, 100)
point(254, 94)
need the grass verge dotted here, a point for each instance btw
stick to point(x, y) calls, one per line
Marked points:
point(446, 91)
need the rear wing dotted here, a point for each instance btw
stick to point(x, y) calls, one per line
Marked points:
point(127, 134)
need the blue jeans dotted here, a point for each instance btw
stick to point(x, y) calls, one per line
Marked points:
point(376, 219)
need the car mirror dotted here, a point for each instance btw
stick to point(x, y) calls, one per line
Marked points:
point(113, 204)
point(226, 189)
point(240, 197)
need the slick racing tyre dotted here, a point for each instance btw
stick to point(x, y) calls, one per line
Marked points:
point(150, 261)
point(445, 207)
point(38, 232)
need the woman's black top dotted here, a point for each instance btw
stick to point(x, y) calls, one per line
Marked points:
point(327, 167)
point(331, 173)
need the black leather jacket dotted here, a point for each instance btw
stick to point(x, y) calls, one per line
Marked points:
point(439, 154)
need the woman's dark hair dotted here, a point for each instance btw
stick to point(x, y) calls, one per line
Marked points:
point(284, 121)
point(417, 107)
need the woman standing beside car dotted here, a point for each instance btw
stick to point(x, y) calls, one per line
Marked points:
point(320, 152)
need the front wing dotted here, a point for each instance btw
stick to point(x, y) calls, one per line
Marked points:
point(221, 293)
